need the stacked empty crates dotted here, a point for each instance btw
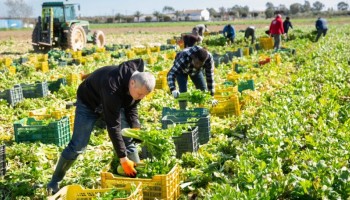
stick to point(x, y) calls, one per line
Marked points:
point(201, 119)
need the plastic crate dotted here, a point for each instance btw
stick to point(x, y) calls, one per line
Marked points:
point(36, 90)
point(13, 95)
point(266, 43)
point(232, 76)
point(166, 187)
point(187, 142)
point(2, 160)
point(227, 107)
point(31, 130)
point(197, 112)
point(42, 66)
point(73, 79)
point(74, 192)
point(203, 124)
point(161, 81)
point(246, 85)
point(54, 86)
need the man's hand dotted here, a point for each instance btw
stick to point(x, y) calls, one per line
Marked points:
point(128, 167)
point(214, 102)
point(175, 93)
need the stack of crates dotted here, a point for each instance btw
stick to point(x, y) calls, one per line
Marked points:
point(73, 79)
point(42, 63)
point(45, 131)
point(72, 192)
point(13, 95)
point(36, 90)
point(161, 81)
point(266, 43)
point(2, 160)
point(187, 142)
point(164, 186)
point(227, 107)
point(201, 116)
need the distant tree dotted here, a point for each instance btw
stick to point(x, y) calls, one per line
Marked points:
point(213, 12)
point(119, 17)
point(269, 12)
point(283, 9)
point(222, 11)
point(269, 5)
point(157, 14)
point(306, 7)
point(317, 6)
point(343, 6)
point(148, 18)
point(138, 14)
point(168, 9)
point(166, 18)
point(177, 15)
point(18, 9)
point(295, 8)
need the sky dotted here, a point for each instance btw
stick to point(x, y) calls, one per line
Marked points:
point(129, 7)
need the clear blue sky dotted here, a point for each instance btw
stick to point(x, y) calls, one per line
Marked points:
point(112, 7)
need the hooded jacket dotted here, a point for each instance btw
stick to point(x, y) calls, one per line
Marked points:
point(276, 26)
point(106, 91)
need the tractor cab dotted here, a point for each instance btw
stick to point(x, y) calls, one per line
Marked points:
point(59, 27)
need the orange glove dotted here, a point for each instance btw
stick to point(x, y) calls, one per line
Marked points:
point(129, 168)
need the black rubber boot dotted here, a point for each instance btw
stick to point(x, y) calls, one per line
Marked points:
point(61, 168)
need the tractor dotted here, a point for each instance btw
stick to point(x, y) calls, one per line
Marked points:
point(59, 27)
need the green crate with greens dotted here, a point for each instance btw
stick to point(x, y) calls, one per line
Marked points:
point(48, 131)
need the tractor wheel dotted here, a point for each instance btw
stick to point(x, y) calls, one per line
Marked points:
point(76, 38)
point(99, 38)
point(36, 39)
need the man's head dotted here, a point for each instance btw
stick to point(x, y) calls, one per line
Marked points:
point(141, 84)
point(278, 16)
point(287, 18)
point(199, 57)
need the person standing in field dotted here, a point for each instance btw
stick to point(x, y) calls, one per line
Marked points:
point(114, 93)
point(229, 33)
point(191, 62)
point(276, 31)
point(321, 27)
point(286, 25)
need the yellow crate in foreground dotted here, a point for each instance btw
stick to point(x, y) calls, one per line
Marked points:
point(75, 192)
point(165, 187)
point(227, 107)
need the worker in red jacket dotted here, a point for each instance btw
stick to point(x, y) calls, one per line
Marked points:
point(276, 31)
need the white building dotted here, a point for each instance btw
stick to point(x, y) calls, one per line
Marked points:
point(195, 15)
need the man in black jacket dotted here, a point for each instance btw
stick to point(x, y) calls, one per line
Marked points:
point(114, 92)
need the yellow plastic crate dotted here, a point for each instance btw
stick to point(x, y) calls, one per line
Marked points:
point(101, 50)
point(266, 43)
point(130, 54)
point(171, 55)
point(42, 66)
point(12, 70)
point(7, 61)
point(73, 79)
point(76, 54)
point(227, 107)
point(75, 192)
point(155, 49)
point(246, 51)
point(225, 92)
point(42, 57)
point(232, 76)
point(165, 187)
point(161, 81)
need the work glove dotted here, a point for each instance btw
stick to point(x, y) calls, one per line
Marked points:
point(214, 102)
point(175, 93)
point(129, 168)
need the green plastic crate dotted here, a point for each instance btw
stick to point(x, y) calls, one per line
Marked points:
point(31, 130)
point(54, 86)
point(35, 90)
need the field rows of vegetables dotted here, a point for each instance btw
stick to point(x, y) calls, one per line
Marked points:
point(291, 140)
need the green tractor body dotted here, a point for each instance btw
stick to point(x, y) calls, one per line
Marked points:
point(59, 27)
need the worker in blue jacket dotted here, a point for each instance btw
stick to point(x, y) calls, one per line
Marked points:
point(229, 33)
point(321, 27)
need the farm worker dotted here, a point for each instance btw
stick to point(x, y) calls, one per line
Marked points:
point(195, 32)
point(250, 32)
point(286, 24)
point(114, 92)
point(321, 27)
point(229, 32)
point(201, 29)
point(190, 63)
point(190, 40)
point(276, 31)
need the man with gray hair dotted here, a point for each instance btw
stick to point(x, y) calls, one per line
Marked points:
point(112, 92)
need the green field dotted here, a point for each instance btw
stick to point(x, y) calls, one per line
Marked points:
point(293, 128)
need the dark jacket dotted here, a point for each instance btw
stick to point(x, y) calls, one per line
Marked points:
point(106, 91)
point(286, 25)
point(321, 24)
